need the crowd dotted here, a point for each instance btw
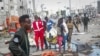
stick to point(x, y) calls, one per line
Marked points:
point(19, 44)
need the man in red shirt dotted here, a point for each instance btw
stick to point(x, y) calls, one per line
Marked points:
point(38, 29)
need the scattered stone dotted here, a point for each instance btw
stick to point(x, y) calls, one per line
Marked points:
point(96, 43)
point(96, 36)
point(86, 52)
point(36, 53)
point(78, 39)
point(99, 46)
point(70, 54)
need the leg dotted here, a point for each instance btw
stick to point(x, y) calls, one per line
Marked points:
point(59, 42)
point(36, 40)
point(78, 25)
point(64, 41)
point(42, 39)
point(69, 36)
point(86, 28)
point(49, 45)
point(50, 37)
point(45, 42)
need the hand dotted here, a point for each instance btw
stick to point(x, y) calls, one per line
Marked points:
point(6, 42)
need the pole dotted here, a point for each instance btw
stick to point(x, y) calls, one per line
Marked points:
point(70, 6)
point(22, 7)
point(34, 8)
point(9, 11)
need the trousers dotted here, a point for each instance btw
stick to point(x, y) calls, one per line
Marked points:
point(39, 35)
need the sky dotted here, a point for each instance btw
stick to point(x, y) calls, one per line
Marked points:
point(54, 5)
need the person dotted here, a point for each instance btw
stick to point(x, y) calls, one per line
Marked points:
point(49, 25)
point(85, 22)
point(64, 31)
point(38, 29)
point(70, 23)
point(45, 42)
point(19, 44)
point(77, 21)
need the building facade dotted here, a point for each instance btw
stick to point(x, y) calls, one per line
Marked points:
point(2, 12)
point(16, 8)
point(25, 7)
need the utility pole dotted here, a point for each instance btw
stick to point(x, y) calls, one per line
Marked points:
point(70, 6)
point(22, 7)
point(9, 10)
point(34, 8)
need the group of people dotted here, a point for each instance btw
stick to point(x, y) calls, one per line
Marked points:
point(19, 44)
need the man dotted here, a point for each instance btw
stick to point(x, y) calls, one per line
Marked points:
point(70, 24)
point(19, 44)
point(85, 22)
point(45, 42)
point(64, 31)
point(38, 29)
point(77, 21)
point(49, 25)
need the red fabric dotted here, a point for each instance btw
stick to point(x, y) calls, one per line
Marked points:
point(59, 41)
point(39, 35)
point(12, 30)
point(40, 25)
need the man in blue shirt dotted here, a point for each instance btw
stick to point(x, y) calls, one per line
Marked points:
point(49, 23)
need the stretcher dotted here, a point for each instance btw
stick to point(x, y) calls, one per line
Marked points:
point(54, 38)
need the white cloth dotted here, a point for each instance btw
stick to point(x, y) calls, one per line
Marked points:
point(37, 25)
point(65, 27)
point(53, 32)
point(1, 27)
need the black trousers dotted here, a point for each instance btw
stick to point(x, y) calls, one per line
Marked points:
point(85, 27)
point(45, 42)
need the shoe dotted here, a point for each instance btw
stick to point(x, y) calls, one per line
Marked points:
point(46, 47)
point(42, 49)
